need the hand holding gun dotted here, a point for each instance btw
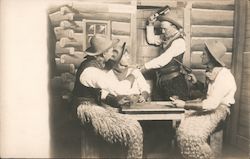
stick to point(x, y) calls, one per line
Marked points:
point(161, 11)
point(187, 71)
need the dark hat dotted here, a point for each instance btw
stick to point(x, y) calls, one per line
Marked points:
point(217, 49)
point(99, 44)
point(166, 18)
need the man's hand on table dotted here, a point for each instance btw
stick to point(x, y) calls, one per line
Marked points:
point(177, 102)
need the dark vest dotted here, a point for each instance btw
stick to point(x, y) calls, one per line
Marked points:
point(172, 66)
point(82, 92)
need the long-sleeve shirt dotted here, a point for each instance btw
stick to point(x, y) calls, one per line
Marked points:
point(96, 78)
point(177, 47)
point(221, 90)
point(139, 85)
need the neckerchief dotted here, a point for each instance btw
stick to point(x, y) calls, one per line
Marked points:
point(212, 74)
point(120, 73)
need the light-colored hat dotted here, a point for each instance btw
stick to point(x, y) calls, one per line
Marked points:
point(217, 49)
point(99, 44)
point(165, 18)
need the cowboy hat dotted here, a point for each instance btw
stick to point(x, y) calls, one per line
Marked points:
point(217, 49)
point(168, 19)
point(99, 44)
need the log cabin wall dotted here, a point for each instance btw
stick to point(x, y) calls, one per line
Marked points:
point(69, 20)
point(202, 21)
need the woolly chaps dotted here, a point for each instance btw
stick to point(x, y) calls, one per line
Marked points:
point(194, 130)
point(113, 127)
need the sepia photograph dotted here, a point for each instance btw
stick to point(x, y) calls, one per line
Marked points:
point(139, 79)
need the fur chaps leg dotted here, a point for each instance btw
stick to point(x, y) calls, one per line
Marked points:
point(194, 130)
point(114, 127)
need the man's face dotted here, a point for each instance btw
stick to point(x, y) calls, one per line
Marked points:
point(108, 54)
point(205, 57)
point(125, 60)
point(168, 29)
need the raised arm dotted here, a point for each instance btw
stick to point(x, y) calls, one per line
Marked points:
point(96, 78)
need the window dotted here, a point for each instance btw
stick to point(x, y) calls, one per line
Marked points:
point(92, 27)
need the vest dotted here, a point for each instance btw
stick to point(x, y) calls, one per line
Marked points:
point(82, 92)
point(172, 67)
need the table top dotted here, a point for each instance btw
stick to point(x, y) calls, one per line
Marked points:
point(154, 107)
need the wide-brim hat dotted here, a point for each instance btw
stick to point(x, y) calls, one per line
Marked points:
point(217, 49)
point(166, 18)
point(99, 44)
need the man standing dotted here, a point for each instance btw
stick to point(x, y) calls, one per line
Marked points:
point(169, 79)
point(195, 128)
point(91, 78)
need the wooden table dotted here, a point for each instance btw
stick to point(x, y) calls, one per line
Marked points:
point(160, 110)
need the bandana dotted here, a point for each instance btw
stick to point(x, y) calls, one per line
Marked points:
point(120, 73)
point(211, 75)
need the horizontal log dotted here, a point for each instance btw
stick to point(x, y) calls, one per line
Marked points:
point(156, 3)
point(71, 59)
point(58, 84)
point(62, 68)
point(119, 17)
point(63, 50)
point(66, 42)
point(76, 36)
point(120, 28)
point(197, 44)
point(57, 17)
point(74, 25)
point(103, 7)
point(115, 1)
point(149, 51)
point(212, 17)
point(211, 31)
point(219, 5)
point(61, 32)
point(196, 60)
point(176, 13)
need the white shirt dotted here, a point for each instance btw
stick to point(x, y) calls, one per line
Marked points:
point(221, 90)
point(139, 85)
point(96, 78)
point(177, 47)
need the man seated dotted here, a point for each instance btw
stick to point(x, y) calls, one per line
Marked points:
point(206, 114)
point(140, 89)
point(91, 78)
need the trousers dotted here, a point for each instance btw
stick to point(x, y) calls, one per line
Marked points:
point(194, 130)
